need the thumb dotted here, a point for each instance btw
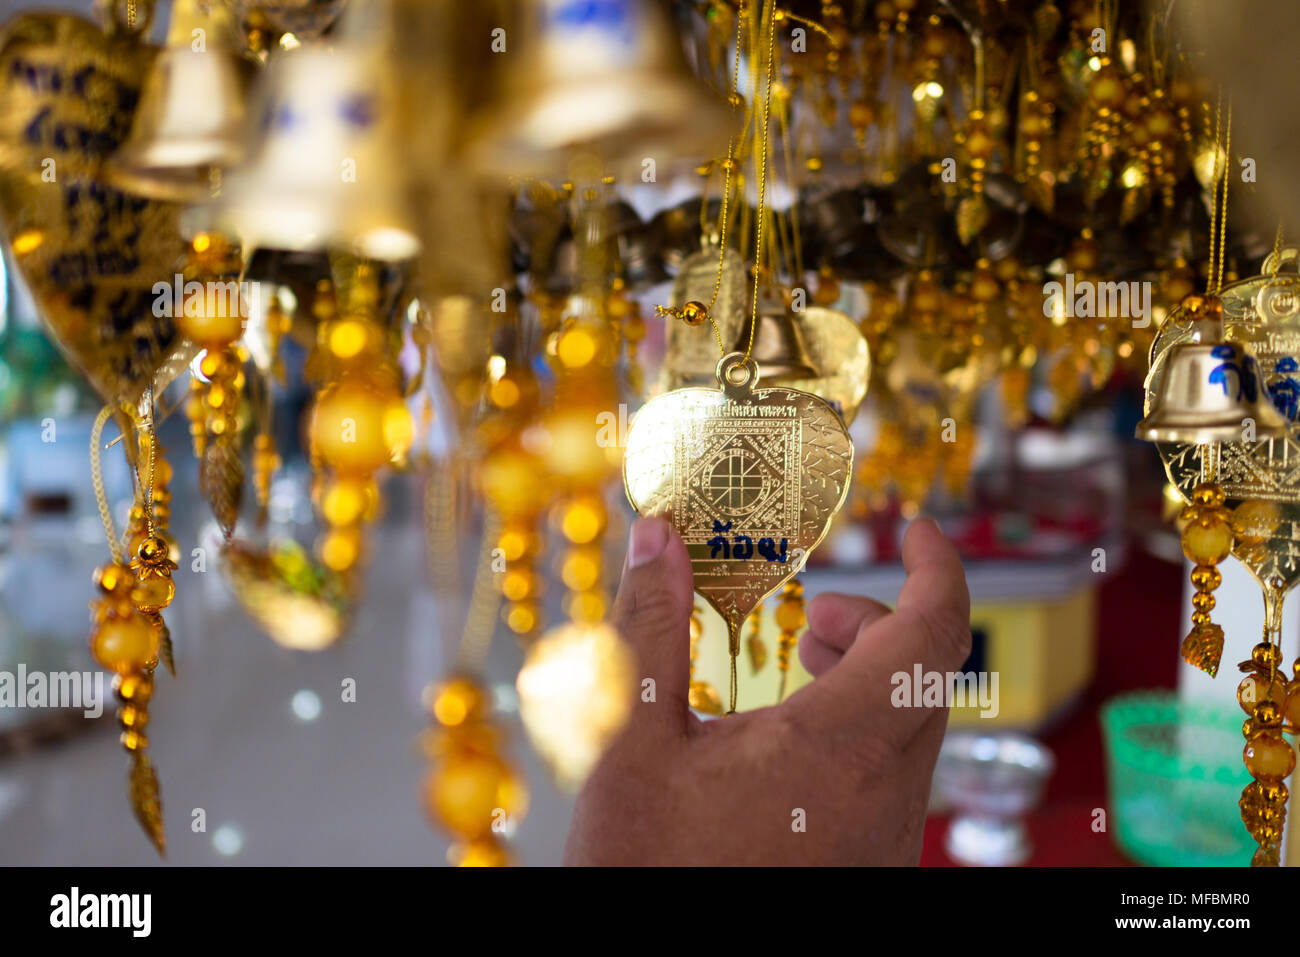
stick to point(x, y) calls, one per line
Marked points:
point(652, 612)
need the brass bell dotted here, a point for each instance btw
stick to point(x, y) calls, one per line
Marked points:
point(325, 169)
point(1206, 393)
point(779, 347)
point(190, 118)
point(610, 77)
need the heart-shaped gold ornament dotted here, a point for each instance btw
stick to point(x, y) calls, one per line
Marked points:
point(749, 477)
point(90, 254)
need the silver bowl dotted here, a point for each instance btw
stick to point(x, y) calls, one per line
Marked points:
point(991, 780)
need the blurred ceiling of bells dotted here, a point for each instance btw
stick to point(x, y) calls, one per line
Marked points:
point(1249, 46)
point(317, 112)
point(615, 85)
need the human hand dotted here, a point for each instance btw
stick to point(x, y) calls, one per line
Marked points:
point(673, 789)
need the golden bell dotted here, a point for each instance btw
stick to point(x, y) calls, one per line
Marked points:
point(605, 76)
point(325, 169)
point(190, 119)
point(779, 347)
point(1207, 392)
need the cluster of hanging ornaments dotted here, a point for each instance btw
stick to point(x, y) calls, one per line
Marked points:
point(1220, 407)
point(269, 153)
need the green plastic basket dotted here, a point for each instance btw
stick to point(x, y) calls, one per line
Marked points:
point(1175, 778)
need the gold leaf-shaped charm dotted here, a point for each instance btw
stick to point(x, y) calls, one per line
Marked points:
point(1203, 648)
point(749, 477)
point(90, 253)
point(146, 800)
point(221, 479)
point(972, 217)
point(165, 651)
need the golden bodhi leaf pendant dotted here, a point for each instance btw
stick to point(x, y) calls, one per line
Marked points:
point(749, 477)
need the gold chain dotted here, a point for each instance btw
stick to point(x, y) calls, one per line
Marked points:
point(97, 478)
point(761, 161)
point(1223, 211)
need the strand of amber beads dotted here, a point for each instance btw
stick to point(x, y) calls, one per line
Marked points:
point(790, 618)
point(471, 791)
point(125, 642)
point(1268, 757)
point(1207, 539)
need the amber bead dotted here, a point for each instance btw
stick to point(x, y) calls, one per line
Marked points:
point(789, 616)
point(1207, 539)
point(522, 617)
point(348, 500)
point(465, 789)
point(153, 593)
point(1268, 757)
point(1203, 601)
point(1253, 689)
point(459, 700)
point(1200, 618)
point(357, 429)
point(134, 740)
point(124, 644)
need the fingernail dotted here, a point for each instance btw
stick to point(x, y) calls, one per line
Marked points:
point(647, 541)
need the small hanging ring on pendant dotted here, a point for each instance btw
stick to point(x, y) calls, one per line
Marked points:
point(737, 375)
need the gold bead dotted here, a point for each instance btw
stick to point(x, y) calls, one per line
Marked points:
point(1266, 656)
point(134, 740)
point(522, 617)
point(1203, 601)
point(132, 717)
point(1208, 495)
point(1267, 714)
point(518, 584)
point(694, 313)
point(583, 519)
point(1206, 577)
point(340, 548)
point(114, 579)
point(136, 688)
